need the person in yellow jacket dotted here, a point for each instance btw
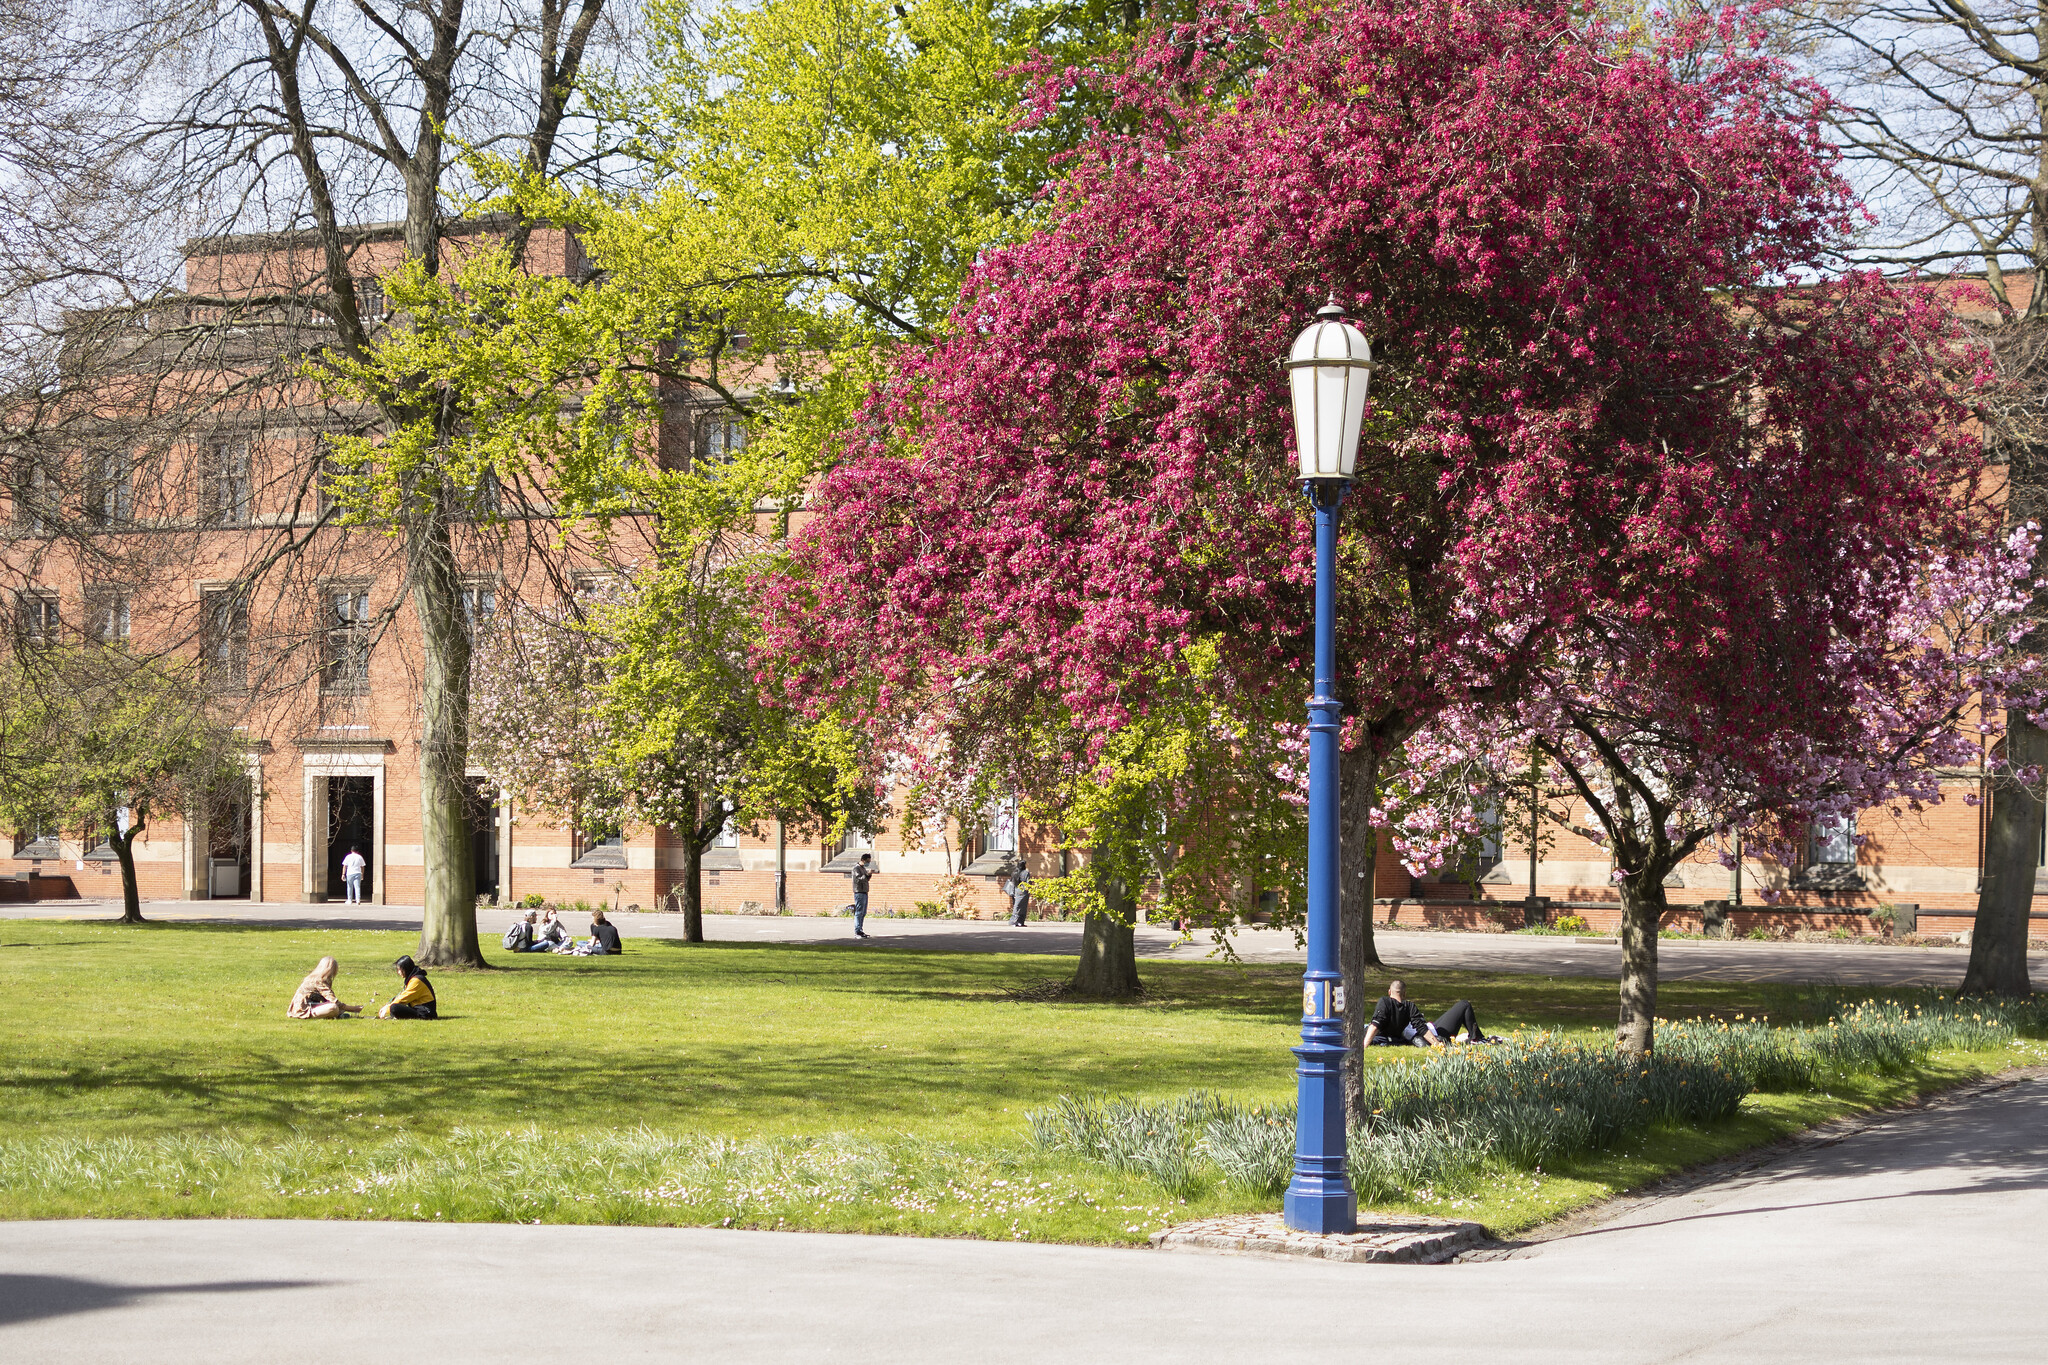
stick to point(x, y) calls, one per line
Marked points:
point(416, 999)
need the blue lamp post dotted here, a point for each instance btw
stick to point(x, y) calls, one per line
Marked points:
point(1328, 370)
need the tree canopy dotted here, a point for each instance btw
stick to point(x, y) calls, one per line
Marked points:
point(1600, 401)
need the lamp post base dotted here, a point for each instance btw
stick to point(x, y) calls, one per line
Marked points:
point(1328, 1209)
point(1320, 1197)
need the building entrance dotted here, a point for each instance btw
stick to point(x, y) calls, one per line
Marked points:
point(481, 814)
point(350, 825)
point(228, 844)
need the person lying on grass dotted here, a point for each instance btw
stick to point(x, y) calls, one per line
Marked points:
point(1395, 1021)
point(416, 999)
point(315, 998)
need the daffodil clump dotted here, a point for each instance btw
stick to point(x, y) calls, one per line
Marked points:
point(1444, 1123)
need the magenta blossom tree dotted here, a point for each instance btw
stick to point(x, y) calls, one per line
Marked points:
point(1597, 400)
point(1919, 671)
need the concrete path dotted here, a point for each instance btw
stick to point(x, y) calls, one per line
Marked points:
point(1679, 959)
point(1916, 1240)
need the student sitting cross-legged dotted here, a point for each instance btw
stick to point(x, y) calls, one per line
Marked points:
point(416, 999)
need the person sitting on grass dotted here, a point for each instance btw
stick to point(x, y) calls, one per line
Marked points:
point(550, 935)
point(415, 1000)
point(519, 938)
point(315, 998)
point(604, 936)
point(1395, 1021)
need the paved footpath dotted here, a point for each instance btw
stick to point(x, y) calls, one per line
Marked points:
point(1914, 1240)
point(1678, 959)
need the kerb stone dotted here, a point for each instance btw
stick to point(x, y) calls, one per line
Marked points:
point(1390, 1238)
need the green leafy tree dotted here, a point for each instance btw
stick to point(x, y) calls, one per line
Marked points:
point(805, 184)
point(640, 706)
point(102, 742)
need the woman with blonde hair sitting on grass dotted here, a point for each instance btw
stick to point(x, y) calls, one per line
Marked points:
point(315, 997)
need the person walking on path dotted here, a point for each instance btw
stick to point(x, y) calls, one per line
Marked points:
point(352, 875)
point(863, 873)
point(1020, 894)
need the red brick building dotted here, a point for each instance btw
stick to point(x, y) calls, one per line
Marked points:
point(326, 653)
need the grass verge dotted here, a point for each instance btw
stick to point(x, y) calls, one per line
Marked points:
point(151, 1073)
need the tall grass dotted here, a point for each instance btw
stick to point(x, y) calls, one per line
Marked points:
point(1442, 1123)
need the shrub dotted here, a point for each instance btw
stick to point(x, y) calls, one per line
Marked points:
point(1570, 924)
point(533, 900)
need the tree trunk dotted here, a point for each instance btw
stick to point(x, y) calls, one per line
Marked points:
point(448, 916)
point(1642, 914)
point(1109, 950)
point(1998, 940)
point(1358, 859)
point(124, 853)
point(693, 877)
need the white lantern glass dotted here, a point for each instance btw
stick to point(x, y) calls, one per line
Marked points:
point(1328, 370)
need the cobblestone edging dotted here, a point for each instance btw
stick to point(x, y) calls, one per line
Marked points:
point(1381, 1237)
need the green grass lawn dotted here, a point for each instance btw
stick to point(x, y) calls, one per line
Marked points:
point(151, 1071)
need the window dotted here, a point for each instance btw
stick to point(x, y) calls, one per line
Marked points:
point(486, 495)
point(853, 843)
point(39, 616)
point(1002, 826)
point(479, 604)
point(593, 586)
point(720, 436)
point(1832, 841)
point(224, 623)
point(371, 305)
point(31, 499)
point(226, 494)
point(345, 647)
point(36, 839)
point(110, 487)
point(604, 848)
point(335, 473)
point(1489, 835)
point(106, 614)
point(997, 833)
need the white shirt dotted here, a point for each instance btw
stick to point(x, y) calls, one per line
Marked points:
point(353, 865)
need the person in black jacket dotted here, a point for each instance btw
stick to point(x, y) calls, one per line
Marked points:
point(1396, 1021)
point(604, 934)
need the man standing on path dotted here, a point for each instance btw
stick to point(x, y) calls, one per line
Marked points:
point(1020, 896)
point(352, 875)
point(863, 873)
